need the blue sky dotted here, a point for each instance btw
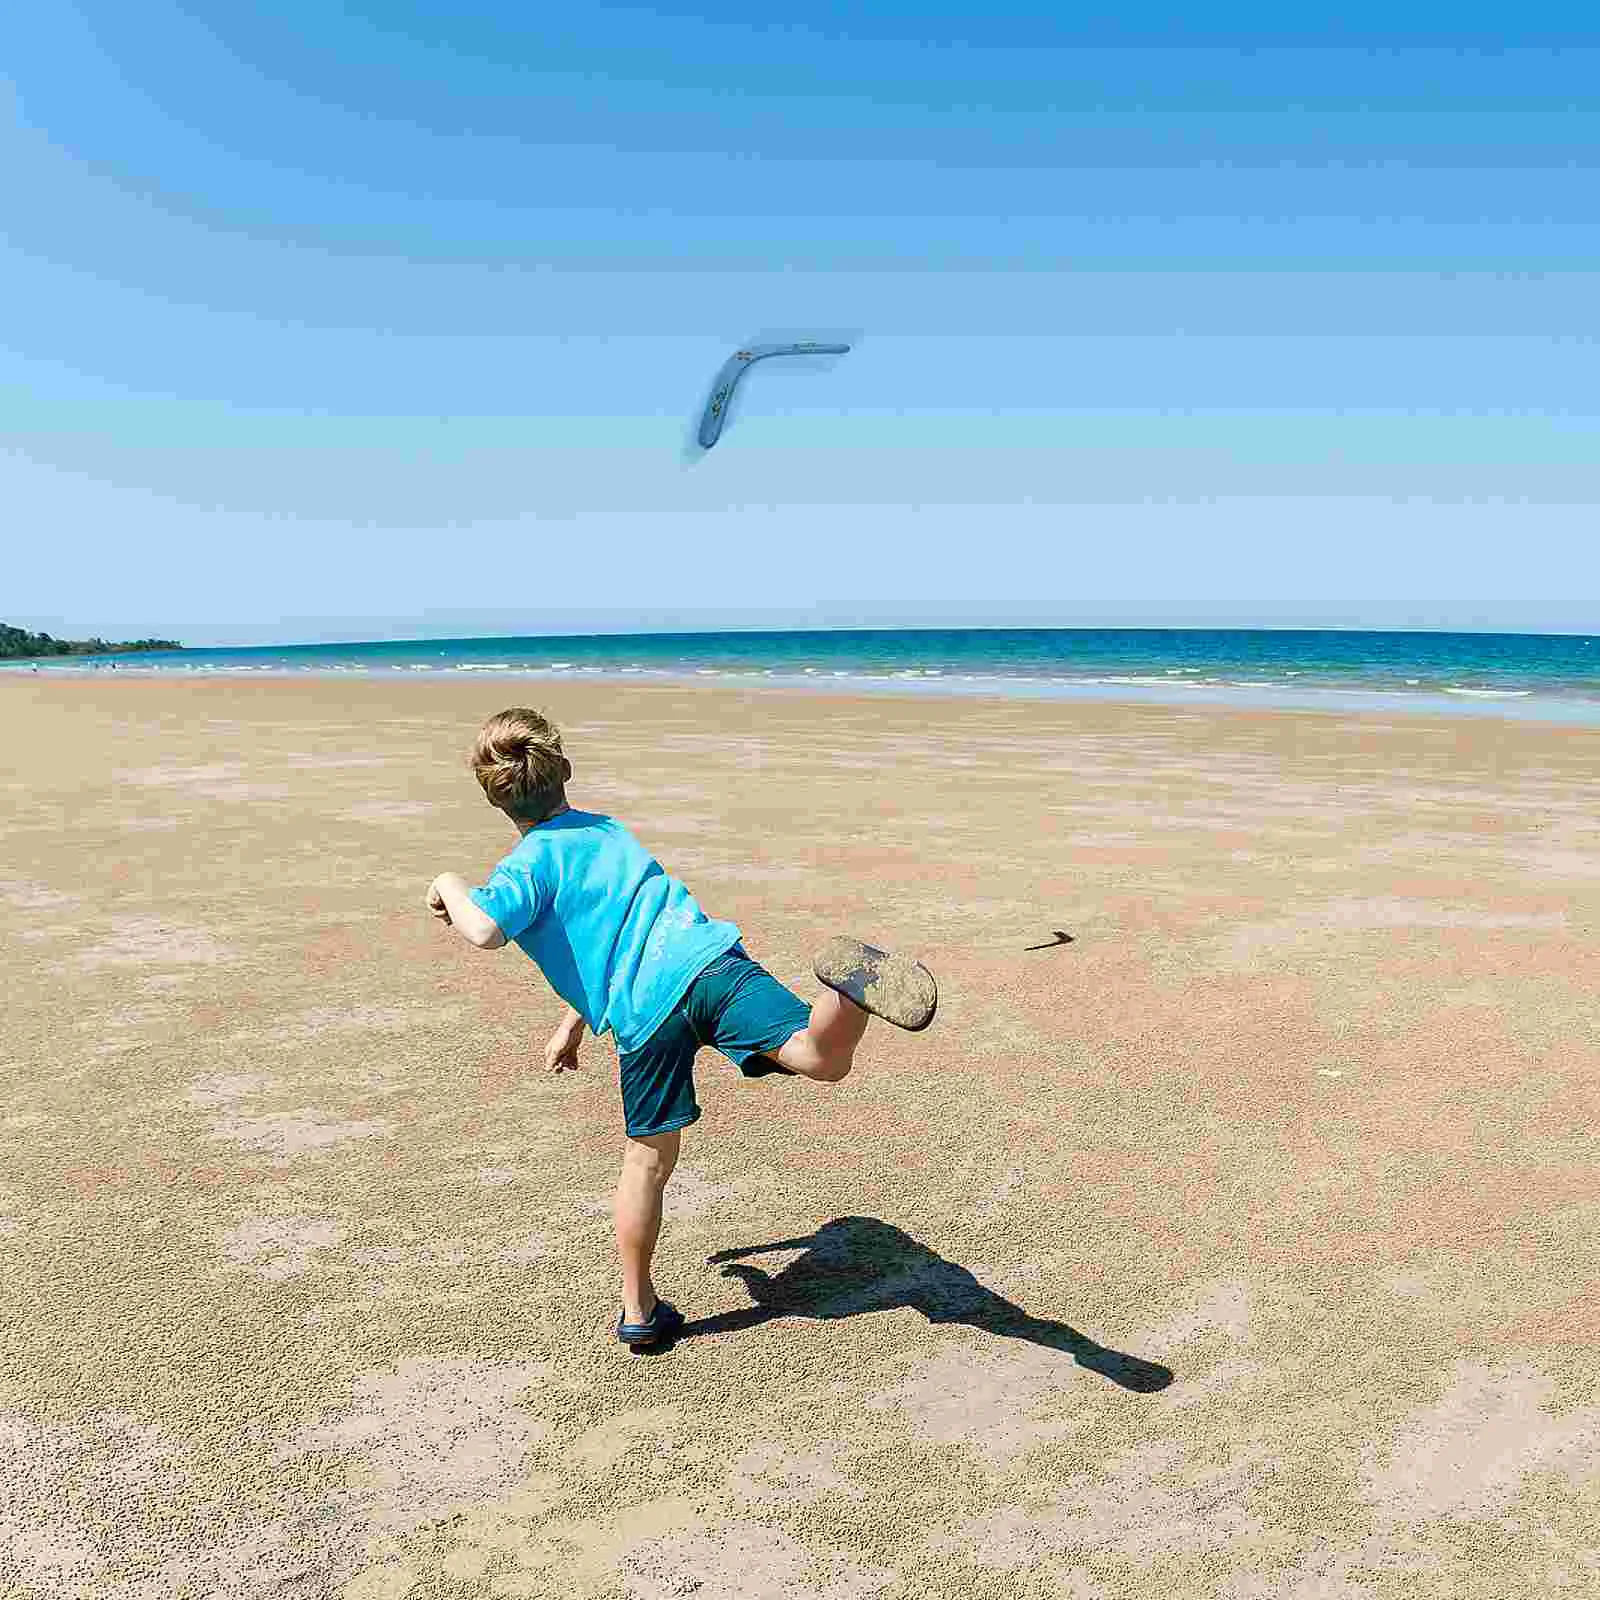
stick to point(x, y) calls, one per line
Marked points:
point(373, 318)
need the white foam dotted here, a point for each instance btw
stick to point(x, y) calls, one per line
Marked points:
point(1489, 694)
point(1127, 682)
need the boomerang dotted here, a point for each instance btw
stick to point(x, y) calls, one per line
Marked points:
point(735, 367)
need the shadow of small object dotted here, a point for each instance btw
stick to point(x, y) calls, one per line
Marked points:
point(856, 1265)
point(1059, 938)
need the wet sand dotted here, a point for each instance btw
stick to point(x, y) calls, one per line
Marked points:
point(1243, 1247)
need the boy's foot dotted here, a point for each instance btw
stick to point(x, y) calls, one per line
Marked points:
point(896, 988)
point(664, 1321)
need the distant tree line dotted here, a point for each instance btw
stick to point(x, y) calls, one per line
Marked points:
point(18, 642)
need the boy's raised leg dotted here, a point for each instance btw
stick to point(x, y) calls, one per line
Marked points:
point(825, 1048)
point(647, 1163)
point(863, 982)
point(897, 988)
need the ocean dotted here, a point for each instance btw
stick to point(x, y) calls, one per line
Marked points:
point(1545, 676)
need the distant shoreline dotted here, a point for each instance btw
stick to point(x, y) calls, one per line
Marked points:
point(86, 648)
point(18, 644)
point(1464, 705)
point(1539, 676)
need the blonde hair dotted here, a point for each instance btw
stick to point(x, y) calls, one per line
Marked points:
point(518, 759)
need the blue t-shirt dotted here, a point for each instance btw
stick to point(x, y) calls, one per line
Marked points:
point(618, 939)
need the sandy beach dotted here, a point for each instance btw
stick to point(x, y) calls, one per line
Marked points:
point(1243, 1247)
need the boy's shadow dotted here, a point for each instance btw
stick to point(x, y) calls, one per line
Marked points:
point(854, 1265)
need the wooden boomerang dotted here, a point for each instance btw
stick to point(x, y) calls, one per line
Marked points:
point(1060, 938)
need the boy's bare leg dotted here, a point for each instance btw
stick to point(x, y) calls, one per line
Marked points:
point(646, 1165)
point(826, 1047)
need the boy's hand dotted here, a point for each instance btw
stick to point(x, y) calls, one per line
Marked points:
point(451, 902)
point(561, 1054)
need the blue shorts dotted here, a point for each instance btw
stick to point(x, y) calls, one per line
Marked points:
point(736, 1006)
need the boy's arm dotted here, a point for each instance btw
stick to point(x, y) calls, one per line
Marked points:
point(561, 1054)
point(450, 902)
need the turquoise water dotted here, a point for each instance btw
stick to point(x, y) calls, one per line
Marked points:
point(1554, 677)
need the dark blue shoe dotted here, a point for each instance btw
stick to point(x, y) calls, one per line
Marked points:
point(664, 1321)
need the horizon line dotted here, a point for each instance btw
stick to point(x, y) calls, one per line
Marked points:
point(914, 627)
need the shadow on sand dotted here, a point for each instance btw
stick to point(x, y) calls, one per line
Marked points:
point(855, 1265)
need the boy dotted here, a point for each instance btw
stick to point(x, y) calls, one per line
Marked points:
point(630, 951)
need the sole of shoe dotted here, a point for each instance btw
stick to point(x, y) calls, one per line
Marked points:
point(896, 988)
